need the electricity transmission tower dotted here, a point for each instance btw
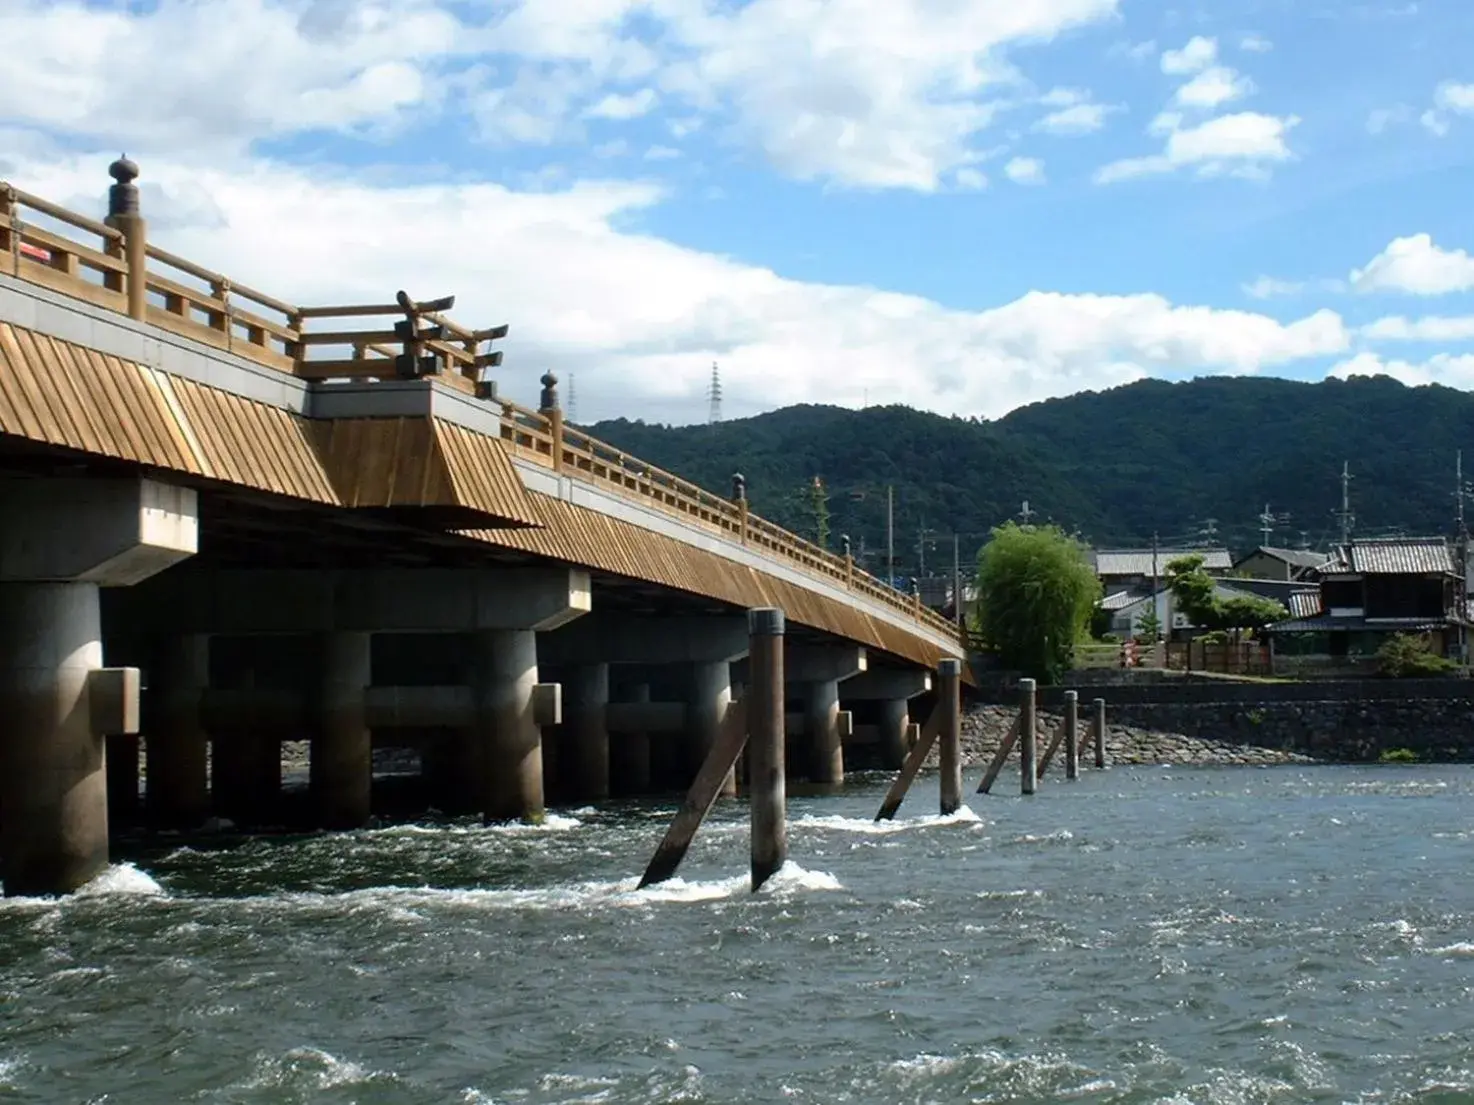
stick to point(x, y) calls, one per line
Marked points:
point(572, 398)
point(714, 395)
point(1344, 515)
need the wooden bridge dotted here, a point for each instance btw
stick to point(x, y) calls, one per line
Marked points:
point(324, 523)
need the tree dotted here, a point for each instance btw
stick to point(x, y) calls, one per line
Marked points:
point(1149, 625)
point(1036, 592)
point(819, 512)
point(1195, 593)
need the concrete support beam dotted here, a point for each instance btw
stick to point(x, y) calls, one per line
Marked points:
point(391, 600)
point(586, 732)
point(711, 699)
point(109, 532)
point(619, 638)
point(815, 663)
point(342, 770)
point(503, 676)
point(887, 684)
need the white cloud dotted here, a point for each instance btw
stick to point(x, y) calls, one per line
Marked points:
point(1269, 287)
point(622, 106)
point(1025, 170)
point(1415, 266)
point(1449, 369)
point(971, 180)
point(1431, 328)
point(871, 93)
point(1076, 119)
point(1198, 54)
point(1255, 44)
point(1381, 118)
point(1244, 144)
point(1449, 98)
point(1214, 86)
point(641, 319)
point(662, 153)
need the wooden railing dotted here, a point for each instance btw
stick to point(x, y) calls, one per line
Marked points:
point(46, 244)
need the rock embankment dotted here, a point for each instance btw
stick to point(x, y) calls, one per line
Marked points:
point(983, 728)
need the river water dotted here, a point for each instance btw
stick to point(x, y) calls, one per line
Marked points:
point(1144, 935)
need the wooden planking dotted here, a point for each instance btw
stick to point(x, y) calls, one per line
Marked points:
point(251, 444)
point(588, 538)
point(482, 474)
point(382, 462)
point(62, 394)
point(422, 462)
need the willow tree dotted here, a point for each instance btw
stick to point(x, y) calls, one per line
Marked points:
point(1036, 592)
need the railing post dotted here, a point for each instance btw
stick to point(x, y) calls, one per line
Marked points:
point(220, 320)
point(739, 496)
point(9, 240)
point(548, 408)
point(123, 216)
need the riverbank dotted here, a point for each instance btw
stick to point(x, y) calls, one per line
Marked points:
point(983, 728)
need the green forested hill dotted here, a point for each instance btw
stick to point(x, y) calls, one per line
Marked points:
point(1113, 465)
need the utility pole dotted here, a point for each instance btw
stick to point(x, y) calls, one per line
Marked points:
point(890, 535)
point(1266, 524)
point(1461, 589)
point(1026, 513)
point(921, 552)
point(1344, 514)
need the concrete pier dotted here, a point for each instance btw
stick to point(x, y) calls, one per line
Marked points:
point(629, 754)
point(710, 697)
point(177, 791)
point(585, 733)
point(949, 686)
point(815, 673)
point(53, 785)
point(341, 764)
point(60, 540)
point(503, 673)
point(891, 689)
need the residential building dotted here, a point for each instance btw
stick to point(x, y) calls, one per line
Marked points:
point(1371, 589)
point(1268, 562)
point(1133, 569)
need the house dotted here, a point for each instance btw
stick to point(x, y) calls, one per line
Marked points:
point(1133, 569)
point(1268, 562)
point(1127, 608)
point(1371, 589)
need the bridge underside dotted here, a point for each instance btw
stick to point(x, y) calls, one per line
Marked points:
point(242, 528)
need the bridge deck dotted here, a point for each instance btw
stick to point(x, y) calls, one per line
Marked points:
point(229, 388)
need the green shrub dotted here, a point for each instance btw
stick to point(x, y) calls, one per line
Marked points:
point(1405, 656)
point(1398, 756)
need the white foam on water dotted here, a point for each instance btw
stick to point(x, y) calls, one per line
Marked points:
point(1059, 836)
point(551, 823)
point(9, 1069)
point(311, 1065)
point(121, 878)
point(1461, 950)
point(838, 823)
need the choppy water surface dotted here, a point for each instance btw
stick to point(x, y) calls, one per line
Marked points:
point(1145, 935)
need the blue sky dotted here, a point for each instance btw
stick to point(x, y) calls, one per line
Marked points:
point(965, 206)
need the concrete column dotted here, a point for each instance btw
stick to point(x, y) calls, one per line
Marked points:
point(895, 720)
point(53, 781)
point(122, 779)
point(711, 698)
point(342, 764)
point(949, 689)
point(821, 716)
point(245, 776)
point(503, 674)
point(586, 732)
point(629, 756)
point(177, 794)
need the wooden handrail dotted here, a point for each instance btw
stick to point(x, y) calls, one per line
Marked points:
point(216, 314)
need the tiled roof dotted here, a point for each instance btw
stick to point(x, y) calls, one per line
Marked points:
point(1138, 562)
point(1402, 556)
point(1298, 558)
point(1325, 623)
point(1303, 604)
point(1120, 600)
